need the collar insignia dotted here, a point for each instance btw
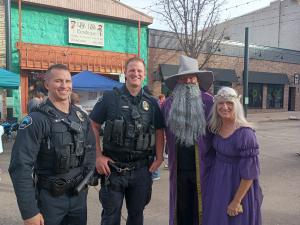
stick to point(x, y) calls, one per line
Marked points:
point(80, 116)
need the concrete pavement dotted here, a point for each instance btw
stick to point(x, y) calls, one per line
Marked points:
point(280, 179)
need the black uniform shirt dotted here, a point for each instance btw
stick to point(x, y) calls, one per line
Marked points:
point(107, 107)
point(32, 130)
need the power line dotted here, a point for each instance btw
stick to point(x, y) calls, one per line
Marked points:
point(237, 6)
point(256, 20)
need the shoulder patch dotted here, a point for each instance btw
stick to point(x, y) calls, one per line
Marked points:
point(26, 122)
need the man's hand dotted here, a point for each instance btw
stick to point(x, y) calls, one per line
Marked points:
point(36, 220)
point(102, 164)
point(155, 165)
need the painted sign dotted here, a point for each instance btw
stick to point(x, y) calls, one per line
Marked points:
point(86, 32)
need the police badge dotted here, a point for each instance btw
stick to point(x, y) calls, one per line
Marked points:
point(145, 105)
point(80, 116)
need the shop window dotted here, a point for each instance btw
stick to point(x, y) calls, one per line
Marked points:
point(36, 83)
point(10, 112)
point(9, 93)
point(255, 95)
point(219, 84)
point(275, 96)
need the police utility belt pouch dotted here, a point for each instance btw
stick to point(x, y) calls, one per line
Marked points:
point(58, 186)
point(114, 133)
point(146, 141)
point(63, 159)
point(118, 131)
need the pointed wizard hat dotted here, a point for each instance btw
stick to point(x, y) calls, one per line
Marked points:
point(189, 66)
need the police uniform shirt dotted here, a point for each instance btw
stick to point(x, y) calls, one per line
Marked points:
point(32, 130)
point(107, 109)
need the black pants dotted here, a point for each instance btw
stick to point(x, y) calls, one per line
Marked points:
point(135, 186)
point(63, 210)
point(187, 199)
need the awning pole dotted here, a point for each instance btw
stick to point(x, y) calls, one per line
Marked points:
point(8, 34)
point(139, 39)
point(20, 20)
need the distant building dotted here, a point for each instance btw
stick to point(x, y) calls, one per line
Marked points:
point(94, 35)
point(273, 72)
point(276, 25)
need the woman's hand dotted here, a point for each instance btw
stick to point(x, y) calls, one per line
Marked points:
point(234, 208)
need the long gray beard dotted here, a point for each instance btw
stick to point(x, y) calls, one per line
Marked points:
point(187, 118)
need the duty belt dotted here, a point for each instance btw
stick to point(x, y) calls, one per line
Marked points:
point(58, 186)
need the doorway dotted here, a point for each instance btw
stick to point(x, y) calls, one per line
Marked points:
point(292, 98)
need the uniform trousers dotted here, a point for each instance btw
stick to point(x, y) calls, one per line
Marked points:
point(67, 209)
point(135, 186)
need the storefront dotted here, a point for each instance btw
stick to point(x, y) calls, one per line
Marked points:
point(273, 82)
point(95, 39)
point(267, 90)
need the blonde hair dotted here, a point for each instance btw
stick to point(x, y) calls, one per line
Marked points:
point(228, 94)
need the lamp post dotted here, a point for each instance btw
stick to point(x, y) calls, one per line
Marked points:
point(245, 73)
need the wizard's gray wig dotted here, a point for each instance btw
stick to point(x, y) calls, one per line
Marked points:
point(187, 117)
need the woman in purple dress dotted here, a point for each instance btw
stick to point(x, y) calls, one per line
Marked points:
point(234, 196)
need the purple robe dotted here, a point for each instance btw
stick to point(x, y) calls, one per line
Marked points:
point(236, 159)
point(204, 144)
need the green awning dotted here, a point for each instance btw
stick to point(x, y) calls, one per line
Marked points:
point(268, 78)
point(9, 79)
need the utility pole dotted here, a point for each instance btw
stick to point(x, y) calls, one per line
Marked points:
point(8, 34)
point(245, 73)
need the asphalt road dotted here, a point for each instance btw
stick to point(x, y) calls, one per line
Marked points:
point(280, 180)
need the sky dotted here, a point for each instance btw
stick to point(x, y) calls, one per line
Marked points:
point(231, 9)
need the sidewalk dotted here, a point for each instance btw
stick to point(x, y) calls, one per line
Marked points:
point(276, 116)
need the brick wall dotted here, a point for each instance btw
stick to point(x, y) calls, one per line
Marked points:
point(160, 56)
point(2, 34)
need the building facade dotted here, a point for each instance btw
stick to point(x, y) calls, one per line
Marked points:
point(273, 72)
point(2, 34)
point(93, 35)
point(2, 57)
point(276, 25)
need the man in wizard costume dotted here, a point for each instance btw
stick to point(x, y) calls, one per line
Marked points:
point(186, 114)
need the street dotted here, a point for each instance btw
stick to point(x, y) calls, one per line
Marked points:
point(280, 180)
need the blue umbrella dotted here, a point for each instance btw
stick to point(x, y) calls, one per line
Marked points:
point(88, 81)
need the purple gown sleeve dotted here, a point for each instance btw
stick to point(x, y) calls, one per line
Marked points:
point(248, 147)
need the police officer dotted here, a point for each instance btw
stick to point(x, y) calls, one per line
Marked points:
point(55, 145)
point(133, 134)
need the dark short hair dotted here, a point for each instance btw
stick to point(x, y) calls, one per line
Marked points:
point(134, 59)
point(55, 67)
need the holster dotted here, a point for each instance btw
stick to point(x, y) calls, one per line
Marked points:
point(58, 186)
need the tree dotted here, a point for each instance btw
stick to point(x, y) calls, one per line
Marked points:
point(193, 23)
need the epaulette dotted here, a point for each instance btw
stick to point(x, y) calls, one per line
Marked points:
point(147, 95)
point(117, 91)
point(46, 110)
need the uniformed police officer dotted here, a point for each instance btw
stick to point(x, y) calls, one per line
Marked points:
point(55, 145)
point(133, 134)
